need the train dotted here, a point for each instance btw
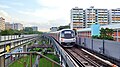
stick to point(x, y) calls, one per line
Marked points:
point(66, 37)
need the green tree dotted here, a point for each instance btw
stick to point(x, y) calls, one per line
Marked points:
point(63, 27)
point(102, 33)
point(105, 34)
point(19, 32)
point(11, 32)
point(8, 32)
point(28, 29)
point(4, 32)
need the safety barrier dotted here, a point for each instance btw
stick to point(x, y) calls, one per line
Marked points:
point(110, 49)
point(63, 54)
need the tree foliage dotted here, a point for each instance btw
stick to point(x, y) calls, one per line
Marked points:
point(18, 32)
point(105, 34)
point(29, 30)
point(63, 27)
point(7, 32)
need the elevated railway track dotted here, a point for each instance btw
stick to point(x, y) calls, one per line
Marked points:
point(86, 59)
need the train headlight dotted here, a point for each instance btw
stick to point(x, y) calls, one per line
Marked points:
point(61, 39)
point(74, 39)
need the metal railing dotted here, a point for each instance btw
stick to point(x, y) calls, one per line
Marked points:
point(63, 54)
point(13, 37)
point(27, 59)
point(16, 43)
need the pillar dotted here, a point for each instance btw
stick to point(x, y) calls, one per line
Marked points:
point(117, 35)
point(24, 48)
point(63, 63)
point(30, 59)
point(2, 61)
point(48, 41)
point(54, 52)
point(0, 37)
point(60, 57)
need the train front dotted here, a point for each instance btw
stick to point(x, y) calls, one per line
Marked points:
point(68, 38)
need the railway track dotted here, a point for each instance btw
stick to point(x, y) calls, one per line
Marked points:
point(85, 59)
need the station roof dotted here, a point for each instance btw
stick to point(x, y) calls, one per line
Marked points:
point(83, 30)
point(111, 26)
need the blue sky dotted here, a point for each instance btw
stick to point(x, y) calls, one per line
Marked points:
point(47, 13)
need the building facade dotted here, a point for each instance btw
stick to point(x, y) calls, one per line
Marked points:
point(77, 18)
point(53, 29)
point(17, 26)
point(2, 23)
point(90, 16)
point(34, 28)
point(114, 16)
point(81, 18)
point(87, 32)
point(102, 16)
point(93, 15)
point(8, 26)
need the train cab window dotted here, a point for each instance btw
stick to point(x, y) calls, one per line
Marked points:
point(72, 35)
point(67, 34)
point(62, 34)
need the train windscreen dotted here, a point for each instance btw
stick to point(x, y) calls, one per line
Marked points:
point(67, 34)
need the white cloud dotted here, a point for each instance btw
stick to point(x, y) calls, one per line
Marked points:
point(68, 4)
point(58, 3)
point(45, 25)
point(4, 6)
point(61, 8)
point(5, 15)
point(57, 12)
point(46, 13)
point(47, 18)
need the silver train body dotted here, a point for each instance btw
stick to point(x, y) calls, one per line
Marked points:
point(65, 37)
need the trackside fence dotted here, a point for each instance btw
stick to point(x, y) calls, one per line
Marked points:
point(106, 47)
